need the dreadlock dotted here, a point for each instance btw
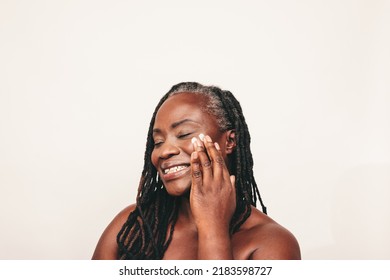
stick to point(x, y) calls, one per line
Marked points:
point(144, 234)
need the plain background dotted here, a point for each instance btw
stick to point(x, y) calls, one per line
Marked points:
point(79, 81)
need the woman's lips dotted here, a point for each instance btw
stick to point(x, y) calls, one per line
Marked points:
point(175, 172)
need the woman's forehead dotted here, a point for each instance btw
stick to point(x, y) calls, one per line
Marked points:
point(183, 105)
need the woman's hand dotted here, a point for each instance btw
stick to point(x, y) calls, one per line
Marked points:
point(213, 194)
point(212, 199)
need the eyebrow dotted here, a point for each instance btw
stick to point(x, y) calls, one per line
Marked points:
point(175, 124)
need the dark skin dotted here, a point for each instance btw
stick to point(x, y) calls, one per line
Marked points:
point(191, 156)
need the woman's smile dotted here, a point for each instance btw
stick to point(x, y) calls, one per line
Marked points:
point(174, 171)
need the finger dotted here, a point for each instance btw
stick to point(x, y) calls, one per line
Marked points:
point(215, 155)
point(204, 160)
point(196, 171)
point(197, 144)
point(206, 167)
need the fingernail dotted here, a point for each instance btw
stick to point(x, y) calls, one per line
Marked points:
point(217, 146)
point(193, 140)
point(201, 136)
point(208, 139)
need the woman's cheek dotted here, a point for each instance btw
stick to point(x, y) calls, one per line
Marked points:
point(189, 146)
point(153, 158)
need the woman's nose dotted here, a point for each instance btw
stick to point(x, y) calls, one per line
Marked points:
point(168, 150)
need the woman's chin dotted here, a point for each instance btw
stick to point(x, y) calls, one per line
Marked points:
point(175, 189)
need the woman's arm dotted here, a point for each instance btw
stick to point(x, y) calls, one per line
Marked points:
point(212, 200)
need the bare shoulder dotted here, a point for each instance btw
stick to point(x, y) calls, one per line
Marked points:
point(107, 247)
point(263, 238)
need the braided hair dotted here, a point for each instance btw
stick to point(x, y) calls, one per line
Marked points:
point(148, 230)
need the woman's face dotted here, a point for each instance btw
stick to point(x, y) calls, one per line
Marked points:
point(178, 120)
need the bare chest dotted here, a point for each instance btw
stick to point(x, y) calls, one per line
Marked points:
point(184, 246)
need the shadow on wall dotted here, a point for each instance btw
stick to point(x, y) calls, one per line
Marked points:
point(360, 217)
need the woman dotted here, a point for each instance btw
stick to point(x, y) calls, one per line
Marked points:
point(197, 193)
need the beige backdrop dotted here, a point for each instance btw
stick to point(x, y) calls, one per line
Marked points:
point(80, 79)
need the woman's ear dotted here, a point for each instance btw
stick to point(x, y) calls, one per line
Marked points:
point(231, 142)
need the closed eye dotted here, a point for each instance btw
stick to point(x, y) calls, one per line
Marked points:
point(184, 135)
point(157, 144)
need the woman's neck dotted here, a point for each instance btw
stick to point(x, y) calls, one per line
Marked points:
point(185, 214)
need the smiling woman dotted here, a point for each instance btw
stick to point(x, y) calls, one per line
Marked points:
point(197, 195)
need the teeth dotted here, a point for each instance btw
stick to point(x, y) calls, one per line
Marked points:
point(174, 169)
